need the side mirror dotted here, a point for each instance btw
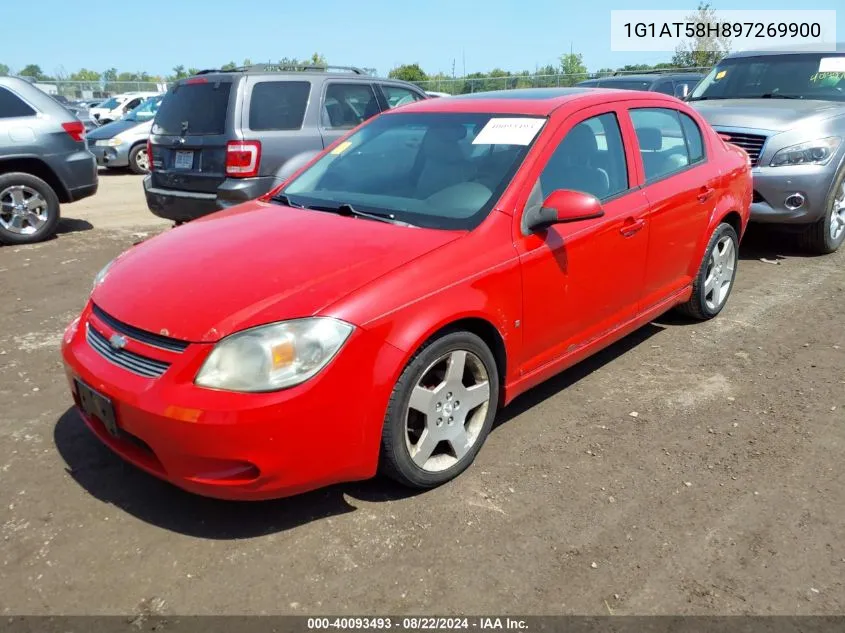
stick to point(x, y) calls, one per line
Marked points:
point(562, 205)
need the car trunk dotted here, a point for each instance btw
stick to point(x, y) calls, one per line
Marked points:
point(189, 136)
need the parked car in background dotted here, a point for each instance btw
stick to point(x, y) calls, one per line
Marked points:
point(675, 84)
point(224, 137)
point(88, 103)
point(376, 310)
point(787, 110)
point(83, 115)
point(43, 162)
point(115, 107)
point(434, 94)
point(123, 143)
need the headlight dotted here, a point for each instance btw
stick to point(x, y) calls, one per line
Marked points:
point(110, 142)
point(272, 357)
point(816, 152)
point(100, 277)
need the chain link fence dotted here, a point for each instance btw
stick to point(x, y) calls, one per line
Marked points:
point(464, 85)
point(454, 86)
point(98, 89)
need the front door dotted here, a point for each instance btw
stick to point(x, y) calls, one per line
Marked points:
point(582, 279)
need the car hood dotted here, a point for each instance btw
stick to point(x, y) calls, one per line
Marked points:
point(110, 130)
point(776, 115)
point(253, 264)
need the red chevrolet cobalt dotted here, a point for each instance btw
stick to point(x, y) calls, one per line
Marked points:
point(374, 311)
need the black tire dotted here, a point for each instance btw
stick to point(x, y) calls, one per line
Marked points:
point(816, 238)
point(135, 168)
point(697, 307)
point(48, 229)
point(395, 459)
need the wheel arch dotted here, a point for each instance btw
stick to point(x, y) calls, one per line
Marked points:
point(38, 168)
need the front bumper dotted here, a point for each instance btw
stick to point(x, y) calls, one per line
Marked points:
point(234, 445)
point(774, 185)
point(111, 156)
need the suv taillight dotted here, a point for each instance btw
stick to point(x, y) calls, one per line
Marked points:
point(242, 158)
point(75, 129)
point(149, 154)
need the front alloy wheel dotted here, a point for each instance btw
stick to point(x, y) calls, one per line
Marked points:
point(441, 411)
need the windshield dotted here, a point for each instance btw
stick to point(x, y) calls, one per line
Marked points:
point(109, 104)
point(145, 111)
point(438, 170)
point(198, 107)
point(626, 84)
point(796, 76)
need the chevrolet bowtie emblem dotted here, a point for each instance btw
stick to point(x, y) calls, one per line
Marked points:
point(117, 341)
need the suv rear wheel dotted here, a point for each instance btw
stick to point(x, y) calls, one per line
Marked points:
point(29, 209)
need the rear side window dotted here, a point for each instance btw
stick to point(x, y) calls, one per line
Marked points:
point(397, 96)
point(278, 105)
point(663, 146)
point(194, 109)
point(12, 106)
point(692, 133)
point(347, 105)
point(666, 87)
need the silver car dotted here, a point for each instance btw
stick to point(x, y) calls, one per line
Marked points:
point(123, 143)
point(787, 111)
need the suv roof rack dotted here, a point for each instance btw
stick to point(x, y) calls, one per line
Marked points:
point(271, 67)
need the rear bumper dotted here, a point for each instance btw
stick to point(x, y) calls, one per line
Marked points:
point(78, 173)
point(773, 186)
point(84, 191)
point(182, 206)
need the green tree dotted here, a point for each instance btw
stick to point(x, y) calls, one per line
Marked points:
point(110, 74)
point(4, 70)
point(229, 66)
point(572, 64)
point(33, 70)
point(178, 73)
point(408, 72)
point(701, 52)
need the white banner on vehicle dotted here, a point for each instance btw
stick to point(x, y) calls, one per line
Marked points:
point(509, 131)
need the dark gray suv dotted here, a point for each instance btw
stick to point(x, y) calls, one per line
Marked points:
point(224, 137)
point(44, 161)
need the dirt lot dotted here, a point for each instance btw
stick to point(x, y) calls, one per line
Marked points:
point(724, 494)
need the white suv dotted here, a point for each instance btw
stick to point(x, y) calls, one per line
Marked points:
point(115, 107)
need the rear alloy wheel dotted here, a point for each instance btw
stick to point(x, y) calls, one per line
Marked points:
point(29, 209)
point(715, 279)
point(828, 234)
point(441, 411)
point(139, 161)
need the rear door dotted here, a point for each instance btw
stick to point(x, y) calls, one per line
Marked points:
point(275, 112)
point(190, 132)
point(345, 105)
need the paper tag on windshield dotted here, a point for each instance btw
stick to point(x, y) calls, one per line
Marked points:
point(832, 65)
point(510, 131)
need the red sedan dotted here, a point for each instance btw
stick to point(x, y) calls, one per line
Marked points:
point(374, 311)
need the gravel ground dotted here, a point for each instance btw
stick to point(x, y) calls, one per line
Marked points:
point(691, 468)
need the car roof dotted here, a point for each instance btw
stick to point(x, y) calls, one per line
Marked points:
point(791, 50)
point(528, 101)
point(644, 77)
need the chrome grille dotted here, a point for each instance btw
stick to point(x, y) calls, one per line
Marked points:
point(142, 336)
point(751, 143)
point(137, 364)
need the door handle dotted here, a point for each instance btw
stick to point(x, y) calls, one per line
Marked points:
point(704, 193)
point(632, 227)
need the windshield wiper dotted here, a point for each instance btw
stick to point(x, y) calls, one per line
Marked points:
point(348, 210)
point(772, 95)
point(280, 197)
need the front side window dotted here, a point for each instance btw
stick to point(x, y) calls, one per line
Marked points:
point(590, 158)
point(11, 105)
point(818, 76)
point(438, 170)
point(278, 105)
point(663, 147)
point(146, 111)
point(349, 105)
